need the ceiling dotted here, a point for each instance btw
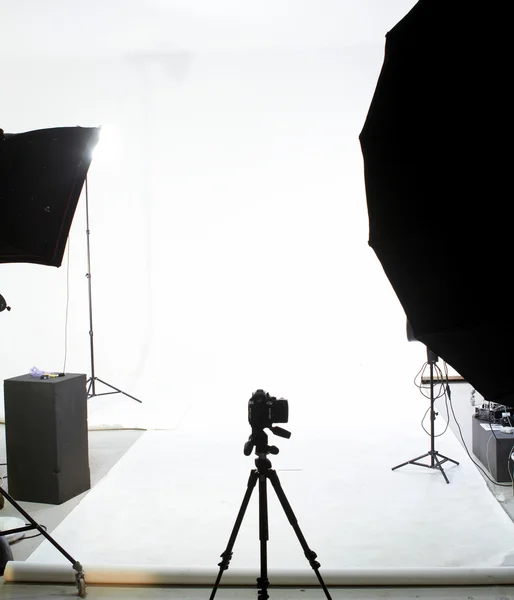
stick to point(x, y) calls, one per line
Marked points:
point(113, 28)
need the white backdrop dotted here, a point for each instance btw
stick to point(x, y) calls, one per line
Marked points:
point(228, 232)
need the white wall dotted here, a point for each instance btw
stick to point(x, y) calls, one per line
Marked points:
point(228, 230)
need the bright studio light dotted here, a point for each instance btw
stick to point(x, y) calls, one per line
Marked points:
point(108, 148)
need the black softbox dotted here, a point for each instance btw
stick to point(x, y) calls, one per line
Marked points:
point(439, 185)
point(42, 173)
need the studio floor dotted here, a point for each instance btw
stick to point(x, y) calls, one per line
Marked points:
point(55, 592)
point(411, 517)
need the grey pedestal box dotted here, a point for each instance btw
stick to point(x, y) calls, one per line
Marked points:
point(492, 449)
point(46, 438)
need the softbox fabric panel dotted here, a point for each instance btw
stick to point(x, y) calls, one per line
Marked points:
point(42, 173)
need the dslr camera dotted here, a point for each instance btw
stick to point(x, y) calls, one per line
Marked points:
point(264, 410)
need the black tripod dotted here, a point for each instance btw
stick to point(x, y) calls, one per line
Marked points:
point(263, 472)
point(91, 382)
point(436, 459)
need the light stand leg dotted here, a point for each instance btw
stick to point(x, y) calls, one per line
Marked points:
point(79, 577)
point(91, 382)
point(436, 459)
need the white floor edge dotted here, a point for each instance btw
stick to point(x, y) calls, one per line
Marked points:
point(28, 572)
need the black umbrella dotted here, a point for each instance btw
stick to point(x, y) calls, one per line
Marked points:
point(439, 186)
point(41, 177)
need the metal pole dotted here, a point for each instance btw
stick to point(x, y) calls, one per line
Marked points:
point(91, 390)
point(432, 414)
point(91, 383)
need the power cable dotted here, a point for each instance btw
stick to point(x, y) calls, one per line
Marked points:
point(441, 379)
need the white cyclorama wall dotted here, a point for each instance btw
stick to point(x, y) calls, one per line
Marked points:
point(228, 237)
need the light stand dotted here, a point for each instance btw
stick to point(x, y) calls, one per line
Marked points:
point(263, 472)
point(436, 459)
point(91, 382)
point(42, 173)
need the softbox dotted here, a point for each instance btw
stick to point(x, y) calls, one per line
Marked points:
point(439, 184)
point(42, 173)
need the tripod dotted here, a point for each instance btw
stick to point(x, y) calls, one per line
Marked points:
point(79, 576)
point(263, 472)
point(91, 382)
point(436, 459)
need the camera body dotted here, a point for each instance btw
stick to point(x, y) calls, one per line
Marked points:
point(264, 410)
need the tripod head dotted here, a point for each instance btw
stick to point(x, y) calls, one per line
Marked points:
point(258, 440)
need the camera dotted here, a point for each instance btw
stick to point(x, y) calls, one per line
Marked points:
point(264, 410)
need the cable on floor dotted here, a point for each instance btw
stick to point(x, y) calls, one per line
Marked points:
point(28, 537)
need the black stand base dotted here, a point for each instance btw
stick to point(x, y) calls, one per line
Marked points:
point(79, 577)
point(262, 474)
point(436, 459)
point(436, 462)
point(91, 389)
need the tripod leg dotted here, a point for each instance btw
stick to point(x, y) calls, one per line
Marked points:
point(263, 581)
point(227, 554)
point(310, 554)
